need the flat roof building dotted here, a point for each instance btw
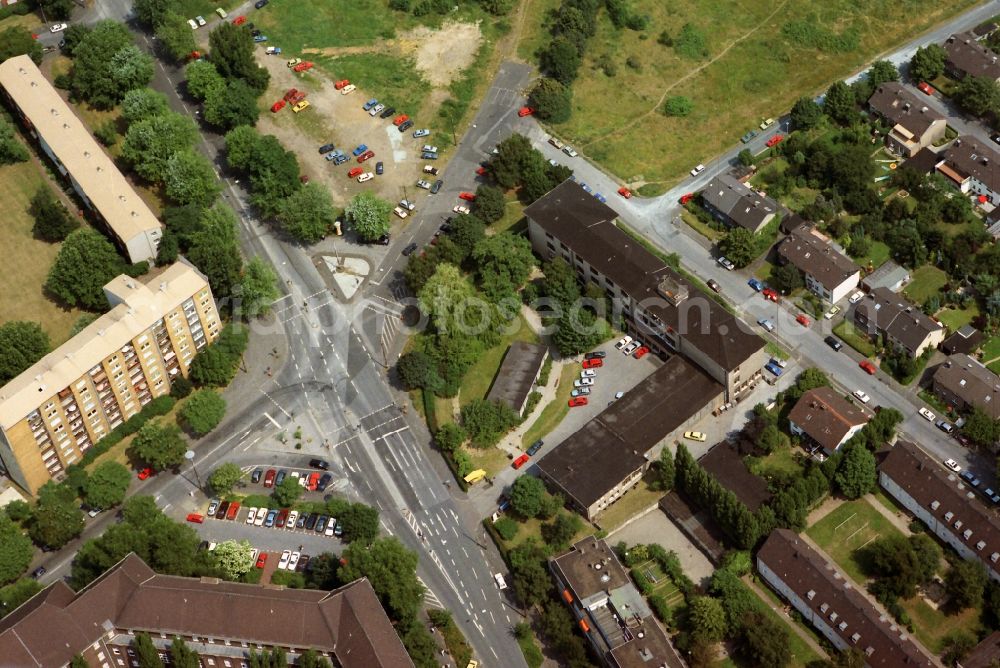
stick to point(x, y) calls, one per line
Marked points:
point(519, 371)
point(888, 275)
point(79, 158)
point(828, 273)
point(963, 382)
point(220, 620)
point(54, 411)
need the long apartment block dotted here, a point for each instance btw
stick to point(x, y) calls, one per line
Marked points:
point(59, 407)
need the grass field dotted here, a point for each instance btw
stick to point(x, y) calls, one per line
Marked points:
point(781, 461)
point(753, 70)
point(845, 332)
point(932, 626)
point(991, 349)
point(955, 319)
point(846, 530)
point(637, 499)
point(876, 256)
point(925, 281)
point(480, 376)
point(555, 411)
point(701, 228)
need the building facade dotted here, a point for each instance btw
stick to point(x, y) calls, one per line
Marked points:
point(53, 412)
point(899, 323)
point(828, 273)
point(80, 159)
point(913, 125)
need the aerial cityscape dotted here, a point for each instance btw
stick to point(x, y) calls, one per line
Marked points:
point(500, 333)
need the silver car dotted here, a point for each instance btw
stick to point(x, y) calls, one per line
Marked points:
point(423, 184)
point(417, 134)
point(376, 110)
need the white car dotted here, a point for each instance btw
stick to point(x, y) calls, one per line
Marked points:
point(285, 556)
point(399, 211)
point(293, 517)
point(429, 149)
point(293, 561)
point(501, 583)
point(376, 110)
point(407, 204)
point(191, 22)
point(832, 312)
point(632, 347)
point(862, 397)
point(697, 170)
point(348, 89)
point(252, 516)
point(579, 392)
point(766, 324)
point(261, 516)
point(726, 263)
point(423, 184)
point(588, 373)
point(461, 209)
point(417, 134)
point(619, 395)
point(200, 20)
point(568, 150)
point(856, 297)
point(59, 27)
point(330, 526)
point(624, 342)
point(581, 382)
point(953, 465)
point(367, 176)
point(927, 415)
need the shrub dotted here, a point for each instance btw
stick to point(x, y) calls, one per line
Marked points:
point(678, 105)
point(506, 527)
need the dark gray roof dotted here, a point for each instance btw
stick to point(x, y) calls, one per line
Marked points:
point(968, 57)
point(968, 379)
point(604, 451)
point(898, 318)
point(587, 227)
point(738, 202)
point(517, 374)
point(727, 465)
point(813, 254)
point(970, 157)
point(966, 339)
point(899, 106)
point(829, 594)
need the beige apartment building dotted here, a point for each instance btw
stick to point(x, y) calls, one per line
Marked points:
point(59, 407)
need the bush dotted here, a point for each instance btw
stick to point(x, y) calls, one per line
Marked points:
point(506, 527)
point(203, 411)
point(678, 105)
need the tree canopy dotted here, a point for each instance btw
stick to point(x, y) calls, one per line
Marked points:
point(151, 143)
point(203, 411)
point(214, 249)
point(21, 345)
point(15, 551)
point(106, 65)
point(739, 245)
point(85, 263)
point(176, 37)
point(224, 478)
point(369, 215)
point(190, 179)
point(928, 62)
point(56, 519)
point(142, 103)
point(232, 105)
point(234, 557)
point(504, 260)
point(526, 496)
point(17, 41)
point(159, 445)
point(107, 485)
point(551, 100)
point(308, 214)
point(392, 571)
point(232, 49)
point(258, 288)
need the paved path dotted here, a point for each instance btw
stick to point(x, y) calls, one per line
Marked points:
point(899, 520)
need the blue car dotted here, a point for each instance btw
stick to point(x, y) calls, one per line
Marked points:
point(359, 150)
point(340, 159)
point(427, 155)
point(260, 38)
point(601, 198)
point(774, 368)
point(271, 514)
point(586, 188)
point(755, 284)
point(370, 103)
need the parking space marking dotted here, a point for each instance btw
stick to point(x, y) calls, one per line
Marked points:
point(273, 421)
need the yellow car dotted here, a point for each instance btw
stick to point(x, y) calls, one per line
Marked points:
point(695, 436)
point(294, 61)
point(473, 664)
point(304, 104)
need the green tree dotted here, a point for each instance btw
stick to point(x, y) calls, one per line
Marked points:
point(274, 174)
point(310, 659)
point(678, 106)
point(882, 71)
point(965, 583)
point(856, 475)
point(487, 421)
point(216, 365)
point(21, 345)
point(224, 478)
point(13, 595)
point(56, 519)
point(287, 493)
point(57, 9)
point(235, 558)
point(369, 215)
point(17, 510)
point(785, 278)
point(526, 496)
point(203, 411)
point(144, 103)
point(978, 95)
point(360, 523)
point(107, 133)
point(745, 157)
point(490, 203)
point(240, 144)
point(258, 288)
point(232, 106)
point(215, 249)
point(106, 65)
point(957, 645)
point(708, 619)
point(577, 330)
point(901, 564)
point(17, 41)
point(203, 79)
point(508, 165)
point(182, 656)
point(233, 54)
point(416, 369)
point(176, 37)
point(85, 263)
point(531, 579)
point(561, 530)
point(308, 214)
point(839, 103)
point(392, 571)
point(551, 100)
point(11, 149)
point(146, 652)
point(561, 60)
point(450, 436)
point(506, 527)
point(73, 36)
point(151, 13)
point(665, 472)
point(466, 232)
point(928, 62)
point(981, 428)
point(191, 179)
point(15, 551)
point(504, 260)
point(78, 662)
point(159, 445)
point(180, 387)
point(149, 144)
point(107, 485)
point(739, 245)
point(765, 641)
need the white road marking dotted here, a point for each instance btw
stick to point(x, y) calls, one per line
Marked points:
point(273, 421)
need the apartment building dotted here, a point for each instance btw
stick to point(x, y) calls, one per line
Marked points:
point(80, 159)
point(67, 401)
point(900, 324)
point(967, 57)
point(828, 273)
point(659, 305)
point(736, 204)
point(222, 621)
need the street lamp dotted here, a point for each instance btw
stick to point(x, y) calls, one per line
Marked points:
point(189, 455)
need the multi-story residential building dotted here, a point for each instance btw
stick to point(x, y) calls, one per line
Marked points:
point(609, 610)
point(736, 204)
point(67, 401)
point(222, 621)
point(826, 418)
point(973, 167)
point(941, 500)
point(913, 125)
point(899, 323)
point(658, 304)
point(963, 383)
point(967, 57)
point(80, 159)
point(833, 605)
point(828, 273)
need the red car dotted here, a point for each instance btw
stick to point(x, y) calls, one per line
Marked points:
point(802, 319)
point(399, 120)
point(481, 171)
point(234, 510)
point(468, 197)
point(625, 192)
point(520, 461)
point(278, 106)
point(239, 20)
point(146, 473)
point(291, 94)
point(868, 367)
point(367, 155)
point(593, 363)
point(925, 87)
point(577, 401)
point(638, 354)
point(269, 478)
point(770, 293)
point(194, 55)
point(262, 560)
point(525, 111)
point(196, 518)
point(279, 521)
point(342, 83)
point(356, 171)
point(686, 197)
point(303, 66)
point(775, 140)
point(313, 481)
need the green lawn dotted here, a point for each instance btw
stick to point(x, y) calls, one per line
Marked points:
point(394, 78)
point(480, 376)
point(764, 270)
point(846, 332)
point(782, 462)
point(846, 530)
point(991, 349)
point(512, 217)
point(955, 319)
point(932, 626)
point(876, 256)
point(802, 654)
point(312, 27)
point(555, 411)
point(701, 228)
point(635, 500)
point(924, 282)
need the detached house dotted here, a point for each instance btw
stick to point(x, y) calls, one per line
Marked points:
point(913, 124)
point(826, 419)
point(973, 167)
point(898, 322)
point(967, 57)
point(737, 205)
point(963, 383)
point(828, 273)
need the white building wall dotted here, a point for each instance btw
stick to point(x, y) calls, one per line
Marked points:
point(811, 615)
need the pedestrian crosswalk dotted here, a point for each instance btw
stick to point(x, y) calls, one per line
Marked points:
point(429, 598)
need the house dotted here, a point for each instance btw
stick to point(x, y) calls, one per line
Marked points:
point(890, 276)
point(222, 621)
point(966, 339)
point(966, 56)
point(657, 304)
point(962, 383)
point(826, 419)
point(898, 322)
point(736, 205)
point(518, 374)
point(828, 273)
point(598, 464)
point(610, 611)
point(972, 166)
point(834, 606)
point(913, 124)
point(984, 655)
point(944, 503)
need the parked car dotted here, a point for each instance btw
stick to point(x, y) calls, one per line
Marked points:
point(624, 341)
point(282, 474)
point(830, 314)
point(583, 382)
point(367, 176)
point(261, 560)
point(279, 521)
point(423, 184)
point(774, 368)
point(283, 561)
point(196, 518)
point(404, 126)
point(926, 414)
point(625, 192)
point(640, 352)
point(766, 123)
point(695, 436)
point(376, 110)
point(59, 27)
point(326, 148)
point(370, 103)
point(361, 148)
point(726, 263)
point(278, 106)
point(399, 120)
point(579, 392)
point(593, 363)
point(272, 50)
point(711, 283)
point(417, 134)
point(595, 355)
point(321, 523)
point(260, 3)
point(861, 396)
point(293, 517)
point(399, 211)
point(355, 171)
point(632, 347)
point(342, 84)
point(301, 106)
point(460, 209)
point(387, 112)
point(303, 66)
point(577, 401)
point(261, 516)
point(234, 510)
point(201, 20)
point(269, 478)
point(520, 461)
point(430, 169)
point(803, 320)
point(252, 515)
point(468, 197)
point(213, 507)
point(766, 324)
point(925, 88)
point(409, 250)
point(775, 140)
point(525, 111)
point(868, 367)
point(324, 482)
point(746, 138)
point(379, 168)
point(146, 473)
point(953, 465)
point(429, 156)
point(436, 188)
point(856, 297)
point(535, 447)
point(348, 89)
point(271, 516)
point(256, 475)
point(407, 204)
point(770, 294)
point(260, 38)
point(568, 150)
point(945, 426)
point(588, 373)
point(697, 170)
point(834, 343)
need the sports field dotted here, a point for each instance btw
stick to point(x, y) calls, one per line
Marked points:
point(844, 532)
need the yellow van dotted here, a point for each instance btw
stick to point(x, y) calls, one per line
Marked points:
point(221, 12)
point(475, 476)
